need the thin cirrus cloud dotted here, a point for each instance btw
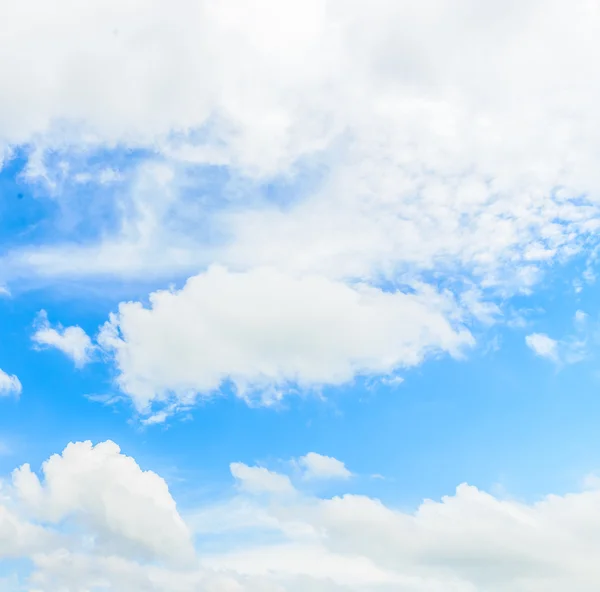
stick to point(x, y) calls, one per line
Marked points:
point(96, 517)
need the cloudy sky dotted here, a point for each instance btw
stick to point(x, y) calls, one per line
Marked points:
point(299, 295)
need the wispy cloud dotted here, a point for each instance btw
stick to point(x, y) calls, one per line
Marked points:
point(568, 350)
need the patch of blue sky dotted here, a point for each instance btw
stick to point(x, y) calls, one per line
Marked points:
point(342, 426)
point(70, 201)
point(24, 214)
point(14, 574)
point(503, 401)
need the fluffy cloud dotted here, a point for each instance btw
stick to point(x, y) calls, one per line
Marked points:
point(317, 466)
point(469, 541)
point(9, 384)
point(72, 341)
point(543, 346)
point(20, 538)
point(268, 330)
point(260, 479)
point(104, 490)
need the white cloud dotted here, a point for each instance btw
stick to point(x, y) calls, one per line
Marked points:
point(72, 341)
point(570, 349)
point(260, 479)
point(469, 541)
point(543, 346)
point(422, 130)
point(105, 176)
point(402, 143)
point(392, 381)
point(9, 384)
point(20, 538)
point(104, 490)
point(318, 466)
point(264, 329)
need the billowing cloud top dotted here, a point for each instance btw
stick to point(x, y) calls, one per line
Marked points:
point(466, 542)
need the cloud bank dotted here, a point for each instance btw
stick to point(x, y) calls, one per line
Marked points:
point(407, 139)
point(97, 520)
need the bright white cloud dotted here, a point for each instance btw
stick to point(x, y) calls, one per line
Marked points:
point(98, 487)
point(72, 341)
point(422, 130)
point(379, 143)
point(469, 541)
point(318, 466)
point(266, 330)
point(9, 384)
point(260, 479)
point(543, 346)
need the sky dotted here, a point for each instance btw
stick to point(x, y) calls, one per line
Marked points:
point(299, 296)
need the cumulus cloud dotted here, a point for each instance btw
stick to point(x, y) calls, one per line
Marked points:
point(9, 384)
point(72, 341)
point(265, 329)
point(260, 479)
point(18, 537)
point(318, 466)
point(468, 541)
point(104, 490)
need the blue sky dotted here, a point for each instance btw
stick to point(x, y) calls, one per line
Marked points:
point(449, 421)
point(299, 296)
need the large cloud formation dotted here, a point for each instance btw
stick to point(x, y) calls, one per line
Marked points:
point(384, 145)
point(96, 521)
point(437, 134)
point(265, 330)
